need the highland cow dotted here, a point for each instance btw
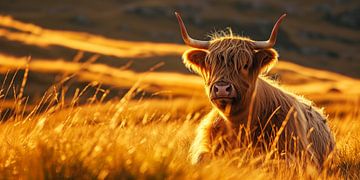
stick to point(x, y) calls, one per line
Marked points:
point(248, 108)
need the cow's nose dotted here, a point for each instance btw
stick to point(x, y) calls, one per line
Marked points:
point(222, 89)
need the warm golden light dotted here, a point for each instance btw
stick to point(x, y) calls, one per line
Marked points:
point(84, 118)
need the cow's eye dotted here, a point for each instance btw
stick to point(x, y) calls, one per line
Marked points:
point(222, 58)
point(246, 66)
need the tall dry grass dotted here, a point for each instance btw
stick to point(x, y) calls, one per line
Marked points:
point(136, 138)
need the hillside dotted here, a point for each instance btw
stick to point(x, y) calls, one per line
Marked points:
point(318, 34)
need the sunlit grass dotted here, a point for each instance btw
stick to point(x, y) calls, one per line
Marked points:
point(141, 138)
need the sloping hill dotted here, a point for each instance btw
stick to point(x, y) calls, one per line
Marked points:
point(319, 34)
point(90, 64)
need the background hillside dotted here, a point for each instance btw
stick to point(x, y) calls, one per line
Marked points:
point(319, 34)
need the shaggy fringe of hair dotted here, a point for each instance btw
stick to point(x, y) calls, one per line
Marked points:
point(228, 52)
point(235, 47)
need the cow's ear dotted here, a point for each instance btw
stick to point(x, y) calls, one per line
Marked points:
point(194, 59)
point(264, 60)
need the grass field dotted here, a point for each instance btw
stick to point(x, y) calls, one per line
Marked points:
point(81, 118)
point(141, 138)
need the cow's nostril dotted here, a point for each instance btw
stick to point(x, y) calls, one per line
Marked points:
point(216, 89)
point(228, 89)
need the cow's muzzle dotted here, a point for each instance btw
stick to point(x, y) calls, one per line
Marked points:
point(222, 93)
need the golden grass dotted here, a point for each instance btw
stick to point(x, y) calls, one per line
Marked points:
point(142, 138)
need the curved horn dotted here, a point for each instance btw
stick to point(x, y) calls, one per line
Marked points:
point(187, 39)
point(271, 42)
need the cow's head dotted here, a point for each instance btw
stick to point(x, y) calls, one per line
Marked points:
point(230, 65)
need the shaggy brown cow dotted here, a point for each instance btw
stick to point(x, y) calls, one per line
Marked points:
point(248, 107)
